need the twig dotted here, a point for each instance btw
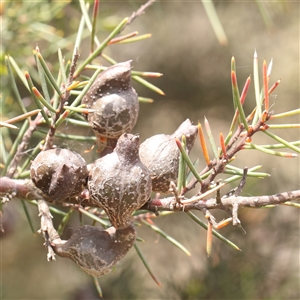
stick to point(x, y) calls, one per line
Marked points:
point(47, 229)
point(139, 12)
point(24, 189)
point(174, 190)
point(23, 145)
point(242, 183)
point(243, 201)
point(64, 99)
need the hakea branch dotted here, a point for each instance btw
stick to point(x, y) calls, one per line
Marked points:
point(34, 123)
point(24, 189)
point(140, 11)
point(236, 143)
point(167, 204)
point(47, 229)
point(64, 98)
point(23, 145)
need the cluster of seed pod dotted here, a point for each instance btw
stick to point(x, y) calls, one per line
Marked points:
point(114, 101)
point(119, 182)
point(96, 250)
point(59, 174)
point(160, 154)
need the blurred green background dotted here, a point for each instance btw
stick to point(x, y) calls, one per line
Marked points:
point(196, 81)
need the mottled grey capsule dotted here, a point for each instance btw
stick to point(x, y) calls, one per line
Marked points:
point(119, 182)
point(59, 174)
point(96, 250)
point(114, 100)
point(160, 155)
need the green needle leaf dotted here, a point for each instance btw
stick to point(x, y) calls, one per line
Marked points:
point(95, 218)
point(71, 136)
point(35, 151)
point(79, 109)
point(274, 146)
point(64, 221)
point(211, 138)
point(283, 126)
point(98, 287)
point(51, 208)
point(148, 85)
point(215, 21)
point(62, 67)
point(28, 215)
point(236, 99)
point(42, 99)
point(15, 145)
point(214, 232)
point(286, 114)
point(37, 102)
point(293, 204)
point(256, 89)
point(149, 269)
point(14, 85)
point(182, 166)
point(7, 125)
point(18, 71)
point(42, 76)
point(86, 88)
point(137, 78)
point(272, 152)
point(238, 177)
point(48, 73)
point(79, 36)
point(23, 116)
point(98, 51)
point(167, 237)
point(145, 100)
point(188, 161)
point(249, 173)
point(280, 140)
point(94, 23)
point(136, 38)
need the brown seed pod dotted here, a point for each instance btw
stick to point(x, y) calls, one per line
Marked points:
point(160, 155)
point(96, 250)
point(114, 100)
point(119, 183)
point(59, 173)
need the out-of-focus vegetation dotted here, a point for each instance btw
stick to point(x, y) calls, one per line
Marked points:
point(196, 81)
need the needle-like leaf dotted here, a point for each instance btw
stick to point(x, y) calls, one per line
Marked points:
point(14, 85)
point(214, 232)
point(203, 144)
point(15, 145)
point(97, 286)
point(98, 51)
point(182, 165)
point(47, 72)
point(281, 140)
point(211, 138)
point(93, 217)
point(187, 160)
point(94, 23)
point(144, 261)
point(236, 99)
point(256, 88)
point(167, 237)
point(148, 85)
point(86, 88)
point(28, 216)
point(215, 21)
point(38, 103)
